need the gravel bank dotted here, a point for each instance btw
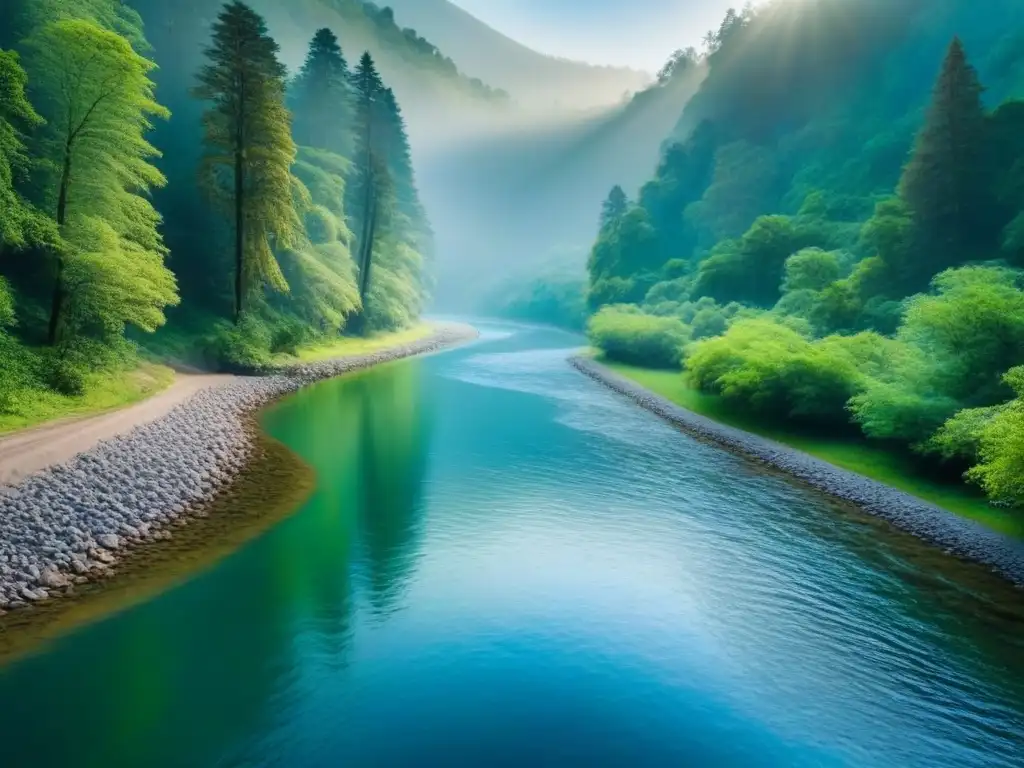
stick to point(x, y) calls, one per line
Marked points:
point(957, 535)
point(67, 524)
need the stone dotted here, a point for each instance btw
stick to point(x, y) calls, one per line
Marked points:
point(108, 540)
point(53, 579)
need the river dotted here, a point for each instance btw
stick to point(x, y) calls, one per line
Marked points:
point(503, 564)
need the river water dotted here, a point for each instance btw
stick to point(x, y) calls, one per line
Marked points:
point(506, 565)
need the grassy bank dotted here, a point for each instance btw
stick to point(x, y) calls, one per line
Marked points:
point(871, 460)
point(344, 346)
point(103, 391)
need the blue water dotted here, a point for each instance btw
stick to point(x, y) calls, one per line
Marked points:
point(506, 565)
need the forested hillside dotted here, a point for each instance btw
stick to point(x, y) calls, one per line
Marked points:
point(834, 236)
point(533, 79)
point(159, 164)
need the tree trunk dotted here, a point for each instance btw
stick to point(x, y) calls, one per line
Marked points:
point(364, 275)
point(240, 200)
point(239, 234)
point(58, 297)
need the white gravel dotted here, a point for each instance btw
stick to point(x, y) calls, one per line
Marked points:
point(957, 535)
point(68, 523)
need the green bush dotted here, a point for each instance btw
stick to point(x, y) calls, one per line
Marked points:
point(995, 438)
point(810, 269)
point(638, 338)
point(243, 347)
point(770, 369)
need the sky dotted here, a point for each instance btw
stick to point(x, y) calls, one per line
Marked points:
point(635, 33)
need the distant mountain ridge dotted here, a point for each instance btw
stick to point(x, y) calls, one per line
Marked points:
point(532, 78)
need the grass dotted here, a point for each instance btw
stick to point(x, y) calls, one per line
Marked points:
point(871, 460)
point(345, 346)
point(104, 391)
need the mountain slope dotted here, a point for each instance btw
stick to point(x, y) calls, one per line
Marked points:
point(531, 77)
point(511, 204)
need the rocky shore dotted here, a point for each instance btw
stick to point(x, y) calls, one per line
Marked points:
point(957, 535)
point(70, 524)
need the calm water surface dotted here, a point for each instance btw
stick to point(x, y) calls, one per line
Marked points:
point(505, 565)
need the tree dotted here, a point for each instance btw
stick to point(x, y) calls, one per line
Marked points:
point(96, 95)
point(371, 167)
point(17, 218)
point(945, 183)
point(249, 148)
point(614, 207)
point(321, 97)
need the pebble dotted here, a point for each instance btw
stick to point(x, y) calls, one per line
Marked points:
point(957, 535)
point(161, 473)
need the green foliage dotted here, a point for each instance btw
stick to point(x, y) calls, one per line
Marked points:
point(972, 327)
point(558, 300)
point(811, 269)
point(246, 171)
point(766, 367)
point(751, 269)
point(945, 185)
point(994, 437)
point(98, 100)
point(321, 98)
point(18, 220)
point(634, 337)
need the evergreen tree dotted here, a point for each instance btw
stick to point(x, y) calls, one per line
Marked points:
point(322, 99)
point(945, 183)
point(614, 207)
point(370, 164)
point(249, 147)
point(395, 147)
point(98, 100)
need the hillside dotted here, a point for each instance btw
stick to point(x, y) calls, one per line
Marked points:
point(531, 77)
point(540, 186)
point(427, 82)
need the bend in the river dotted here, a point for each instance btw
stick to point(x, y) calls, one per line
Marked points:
point(506, 564)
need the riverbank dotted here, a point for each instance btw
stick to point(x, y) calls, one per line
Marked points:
point(74, 523)
point(958, 535)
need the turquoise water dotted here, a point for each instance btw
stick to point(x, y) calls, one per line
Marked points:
point(504, 565)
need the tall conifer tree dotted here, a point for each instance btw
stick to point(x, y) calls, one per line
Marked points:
point(945, 183)
point(371, 166)
point(614, 207)
point(249, 147)
point(321, 97)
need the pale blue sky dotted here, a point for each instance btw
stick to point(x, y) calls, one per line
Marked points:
point(637, 33)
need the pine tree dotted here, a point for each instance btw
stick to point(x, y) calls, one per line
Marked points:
point(321, 97)
point(395, 146)
point(95, 93)
point(371, 166)
point(249, 148)
point(614, 207)
point(944, 185)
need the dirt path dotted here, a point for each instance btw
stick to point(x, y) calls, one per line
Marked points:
point(31, 450)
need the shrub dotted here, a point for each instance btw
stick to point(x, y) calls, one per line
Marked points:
point(243, 347)
point(810, 269)
point(637, 338)
point(770, 369)
point(999, 436)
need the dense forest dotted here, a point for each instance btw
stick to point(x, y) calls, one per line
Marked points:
point(198, 199)
point(834, 235)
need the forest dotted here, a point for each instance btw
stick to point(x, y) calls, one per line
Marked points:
point(192, 198)
point(833, 239)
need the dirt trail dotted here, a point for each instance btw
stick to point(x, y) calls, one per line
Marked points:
point(32, 450)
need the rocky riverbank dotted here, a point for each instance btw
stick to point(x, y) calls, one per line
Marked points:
point(957, 535)
point(70, 524)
